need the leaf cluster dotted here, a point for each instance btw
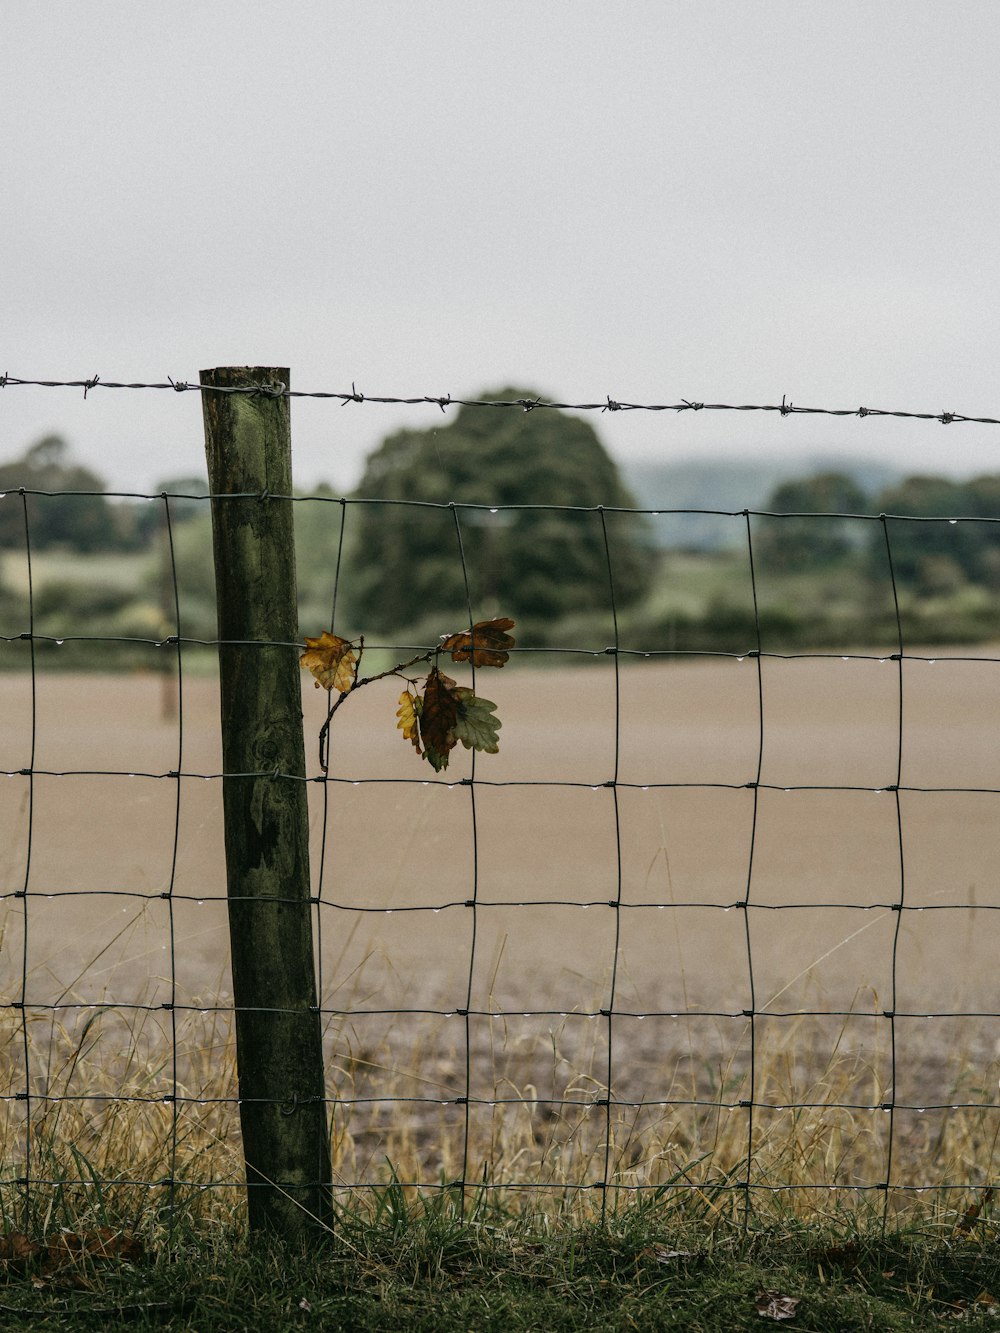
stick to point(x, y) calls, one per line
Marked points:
point(437, 716)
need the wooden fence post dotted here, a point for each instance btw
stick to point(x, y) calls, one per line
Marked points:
point(278, 1033)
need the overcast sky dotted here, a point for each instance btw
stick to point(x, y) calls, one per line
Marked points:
point(718, 200)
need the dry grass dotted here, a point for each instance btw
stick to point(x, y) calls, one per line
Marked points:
point(104, 1148)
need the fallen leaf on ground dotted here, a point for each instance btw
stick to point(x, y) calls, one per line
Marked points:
point(971, 1215)
point(665, 1256)
point(839, 1256)
point(772, 1305)
point(102, 1243)
point(17, 1249)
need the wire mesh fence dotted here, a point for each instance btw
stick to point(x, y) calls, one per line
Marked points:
point(717, 922)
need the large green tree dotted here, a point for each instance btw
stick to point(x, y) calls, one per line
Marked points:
point(502, 501)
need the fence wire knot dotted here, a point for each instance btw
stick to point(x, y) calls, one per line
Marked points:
point(90, 384)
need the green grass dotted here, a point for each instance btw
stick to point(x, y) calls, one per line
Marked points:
point(118, 569)
point(400, 1265)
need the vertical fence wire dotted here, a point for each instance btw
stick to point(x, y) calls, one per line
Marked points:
point(325, 813)
point(900, 906)
point(751, 1013)
point(26, 882)
point(472, 902)
point(616, 903)
point(174, 855)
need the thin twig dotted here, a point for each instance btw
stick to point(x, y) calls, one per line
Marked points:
point(398, 669)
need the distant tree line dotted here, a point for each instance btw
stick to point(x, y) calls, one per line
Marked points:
point(85, 519)
point(932, 556)
point(497, 512)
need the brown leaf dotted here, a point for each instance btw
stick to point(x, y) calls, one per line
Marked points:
point(486, 644)
point(971, 1215)
point(772, 1305)
point(17, 1250)
point(101, 1243)
point(331, 660)
point(438, 716)
point(839, 1256)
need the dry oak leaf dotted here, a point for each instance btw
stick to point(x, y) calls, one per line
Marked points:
point(475, 725)
point(331, 660)
point(772, 1305)
point(408, 712)
point(17, 1250)
point(486, 644)
point(102, 1243)
point(438, 715)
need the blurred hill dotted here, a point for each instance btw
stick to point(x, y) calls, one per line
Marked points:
point(731, 485)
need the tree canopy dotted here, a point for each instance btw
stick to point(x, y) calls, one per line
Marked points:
point(808, 543)
point(484, 498)
point(936, 556)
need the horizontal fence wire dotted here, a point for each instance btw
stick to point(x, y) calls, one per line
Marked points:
point(618, 1122)
point(444, 401)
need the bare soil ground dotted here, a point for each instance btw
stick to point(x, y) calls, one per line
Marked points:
point(588, 897)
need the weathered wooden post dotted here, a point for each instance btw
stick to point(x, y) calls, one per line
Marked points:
point(278, 1035)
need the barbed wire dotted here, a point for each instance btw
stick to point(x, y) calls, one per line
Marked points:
point(786, 408)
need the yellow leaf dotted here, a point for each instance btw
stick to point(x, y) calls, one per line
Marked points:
point(408, 713)
point(331, 660)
